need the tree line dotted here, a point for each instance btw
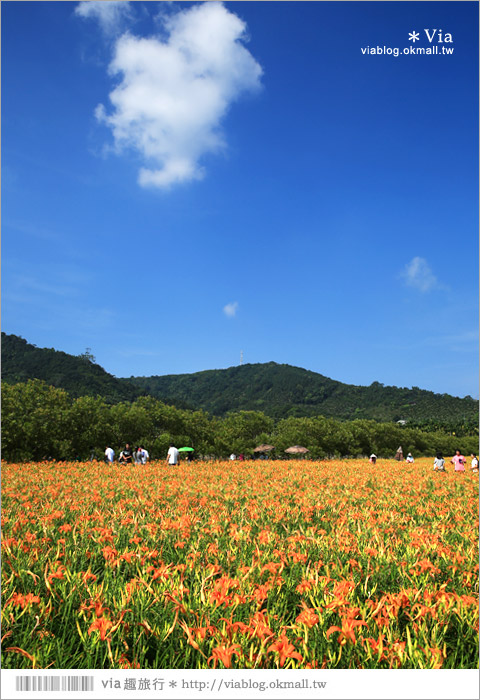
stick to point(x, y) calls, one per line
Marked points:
point(43, 422)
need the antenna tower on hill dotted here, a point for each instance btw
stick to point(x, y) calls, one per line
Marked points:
point(241, 357)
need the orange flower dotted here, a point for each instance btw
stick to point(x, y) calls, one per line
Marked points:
point(102, 625)
point(224, 654)
point(346, 630)
point(127, 556)
point(135, 540)
point(123, 662)
point(59, 573)
point(304, 586)
point(308, 616)
point(162, 572)
point(264, 537)
point(396, 653)
point(376, 645)
point(23, 601)
point(285, 650)
point(437, 656)
point(242, 627)
point(201, 632)
point(109, 553)
point(261, 593)
point(99, 609)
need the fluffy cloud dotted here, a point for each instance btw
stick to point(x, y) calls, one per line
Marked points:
point(230, 309)
point(418, 274)
point(175, 89)
point(110, 15)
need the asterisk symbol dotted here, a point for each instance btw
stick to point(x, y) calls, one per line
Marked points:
point(173, 684)
point(413, 36)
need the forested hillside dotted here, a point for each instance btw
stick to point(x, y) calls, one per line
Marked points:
point(278, 391)
point(282, 390)
point(79, 375)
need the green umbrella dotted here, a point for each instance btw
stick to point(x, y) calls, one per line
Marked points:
point(186, 449)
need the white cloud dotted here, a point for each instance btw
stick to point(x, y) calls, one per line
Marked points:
point(230, 310)
point(111, 15)
point(175, 90)
point(418, 274)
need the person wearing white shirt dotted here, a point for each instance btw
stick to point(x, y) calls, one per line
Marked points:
point(474, 463)
point(172, 455)
point(145, 455)
point(109, 455)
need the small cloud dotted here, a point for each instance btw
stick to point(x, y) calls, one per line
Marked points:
point(110, 15)
point(230, 310)
point(174, 89)
point(418, 274)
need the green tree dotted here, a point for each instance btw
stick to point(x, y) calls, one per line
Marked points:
point(239, 432)
point(89, 426)
point(35, 422)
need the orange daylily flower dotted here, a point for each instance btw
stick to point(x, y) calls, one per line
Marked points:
point(58, 573)
point(123, 662)
point(346, 630)
point(308, 616)
point(24, 600)
point(224, 654)
point(304, 586)
point(102, 625)
point(285, 650)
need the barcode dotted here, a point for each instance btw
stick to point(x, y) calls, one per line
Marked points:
point(52, 683)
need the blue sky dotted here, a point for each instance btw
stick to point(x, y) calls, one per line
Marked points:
point(185, 181)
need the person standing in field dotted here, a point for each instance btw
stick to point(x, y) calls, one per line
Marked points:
point(459, 461)
point(109, 455)
point(126, 455)
point(474, 463)
point(172, 455)
point(399, 454)
point(439, 463)
point(145, 455)
point(373, 459)
point(410, 459)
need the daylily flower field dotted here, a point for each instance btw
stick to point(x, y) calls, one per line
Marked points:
point(261, 564)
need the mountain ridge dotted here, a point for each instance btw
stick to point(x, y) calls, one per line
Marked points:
point(278, 390)
point(78, 375)
point(281, 390)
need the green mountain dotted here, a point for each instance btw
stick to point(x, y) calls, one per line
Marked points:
point(79, 375)
point(282, 390)
point(277, 390)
